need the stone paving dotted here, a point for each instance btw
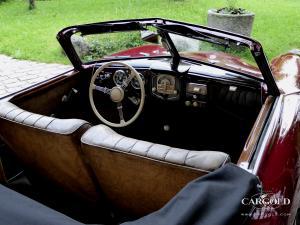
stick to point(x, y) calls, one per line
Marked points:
point(17, 74)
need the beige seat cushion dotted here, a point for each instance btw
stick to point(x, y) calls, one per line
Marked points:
point(139, 177)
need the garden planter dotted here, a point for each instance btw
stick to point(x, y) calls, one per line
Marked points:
point(236, 23)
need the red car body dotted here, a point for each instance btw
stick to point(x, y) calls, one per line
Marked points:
point(274, 154)
point(277, 162)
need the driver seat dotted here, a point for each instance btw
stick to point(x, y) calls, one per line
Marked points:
point(139, 177)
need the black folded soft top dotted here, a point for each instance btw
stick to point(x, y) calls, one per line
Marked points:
point(212, 199)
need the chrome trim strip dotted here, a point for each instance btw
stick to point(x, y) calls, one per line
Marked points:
point(268, 133)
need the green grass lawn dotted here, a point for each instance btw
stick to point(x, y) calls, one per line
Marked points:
point(31, 34)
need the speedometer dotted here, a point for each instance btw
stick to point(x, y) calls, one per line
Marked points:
point(135, 83)
point(166, 84)
point(119, 77)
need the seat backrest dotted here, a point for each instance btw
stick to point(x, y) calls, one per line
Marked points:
point(50, 147)
point(139, 177)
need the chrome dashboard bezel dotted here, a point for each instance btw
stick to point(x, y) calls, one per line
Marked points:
point(196, 88)
point(115, 75)
point(132, 82)
point(165, 95)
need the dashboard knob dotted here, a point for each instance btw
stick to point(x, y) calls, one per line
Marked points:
point(195, 104)
point(175, 92)
point(166, 128)
point(188, 103)
point(153, 89)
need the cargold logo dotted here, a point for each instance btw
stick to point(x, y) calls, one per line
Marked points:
point(266, 200)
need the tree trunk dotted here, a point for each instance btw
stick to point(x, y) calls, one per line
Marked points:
point(31, 4)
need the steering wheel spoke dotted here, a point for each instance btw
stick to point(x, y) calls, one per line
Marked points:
point(121, 114)
point(104, 90)
point(127, 81)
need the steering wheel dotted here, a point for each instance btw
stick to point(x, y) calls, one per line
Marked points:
point(117, 94)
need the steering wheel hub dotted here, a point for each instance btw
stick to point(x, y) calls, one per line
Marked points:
point(117, 94)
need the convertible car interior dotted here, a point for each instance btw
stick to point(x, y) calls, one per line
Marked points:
point(123, 134)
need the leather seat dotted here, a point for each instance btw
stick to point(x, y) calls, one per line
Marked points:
point(49, 147)
point(139, 177)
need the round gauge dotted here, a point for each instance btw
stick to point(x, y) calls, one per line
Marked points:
point(165, 84)
point(135, 83)
point(119, 77)
point(164, 81)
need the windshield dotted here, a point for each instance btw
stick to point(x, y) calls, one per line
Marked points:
point(181, 40)
point(148, 42)
point(126, 44)
point(216, 51)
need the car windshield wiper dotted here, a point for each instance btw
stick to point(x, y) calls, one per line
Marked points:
point(188, 32)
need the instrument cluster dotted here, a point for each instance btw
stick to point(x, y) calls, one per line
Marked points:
point(120, 76)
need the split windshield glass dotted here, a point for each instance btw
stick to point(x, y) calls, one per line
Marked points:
point(148, 43)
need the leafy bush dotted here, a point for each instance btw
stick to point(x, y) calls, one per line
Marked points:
point(231, 8)
point(108, 44)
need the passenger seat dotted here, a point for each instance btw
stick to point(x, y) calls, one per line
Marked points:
point(139, 177)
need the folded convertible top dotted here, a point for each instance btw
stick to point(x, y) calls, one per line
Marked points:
point(17, 209)
point(214, 199)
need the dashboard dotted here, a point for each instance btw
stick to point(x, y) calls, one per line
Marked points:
point(161, 85)
point(187, 89)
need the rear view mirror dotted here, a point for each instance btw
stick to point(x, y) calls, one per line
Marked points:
point(149, 36)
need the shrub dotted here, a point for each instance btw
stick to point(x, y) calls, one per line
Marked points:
point(107, 45)
point(231, 8)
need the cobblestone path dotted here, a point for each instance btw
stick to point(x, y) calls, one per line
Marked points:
point(18, 74)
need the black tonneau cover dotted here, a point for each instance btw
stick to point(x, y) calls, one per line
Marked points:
point(17, 209)
point(214, 199)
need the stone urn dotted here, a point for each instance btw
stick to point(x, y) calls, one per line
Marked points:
point(236, 23)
